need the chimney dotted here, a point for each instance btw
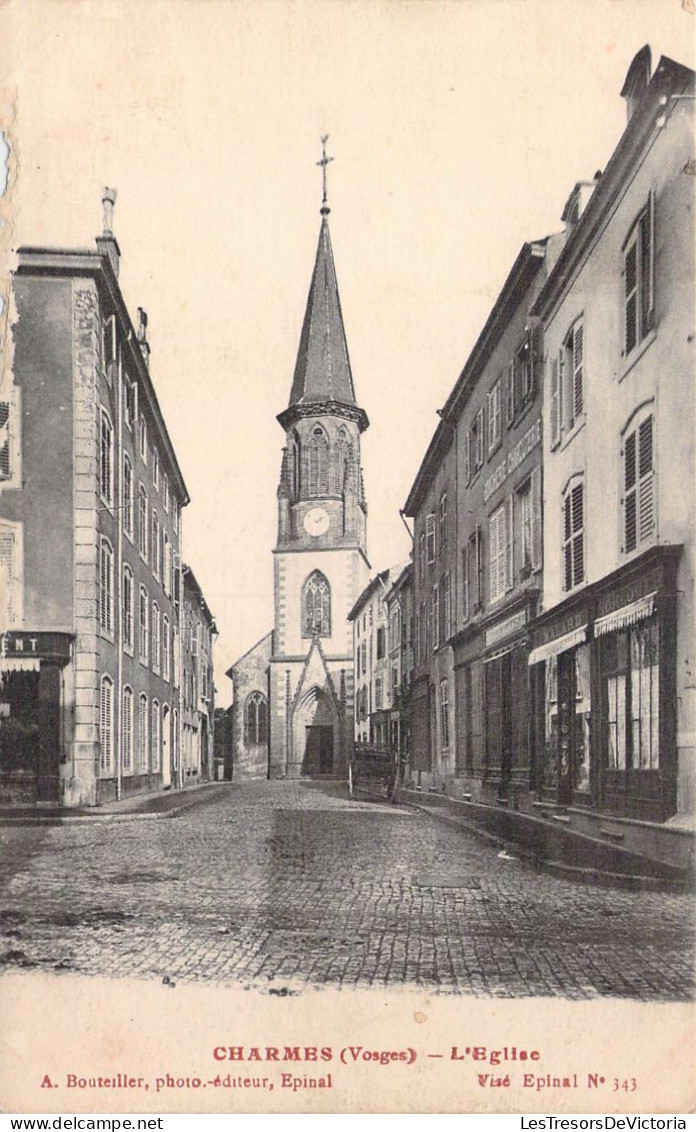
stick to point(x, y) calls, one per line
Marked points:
point(577, 202)
point(637, 80)
point(106, 243)
point(142, 335)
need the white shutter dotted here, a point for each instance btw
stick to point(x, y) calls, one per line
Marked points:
point(537, 530)
point(646, 480)
point(555, 402)
point(509, 542)
point(106, 724)
point(578, 367)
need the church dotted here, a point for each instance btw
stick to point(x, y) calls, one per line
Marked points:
point(293, 705)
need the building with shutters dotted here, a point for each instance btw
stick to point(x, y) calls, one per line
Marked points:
point(374, 660)
point(198, 632)
point(612, 659)
point(90, 526)
point(398, 599)
point(476, 505)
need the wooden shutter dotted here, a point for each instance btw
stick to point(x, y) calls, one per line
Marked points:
point(555, 401)
point(430, 536)
point(106, 723)
point(537, 527)
point(630, 495)
point(578, 351)
point(4, 440)
point(646, 479)
point(578, 532)
point(479, 569)
point(435, 617)
point(631, 297)
point(647, 264)
point(509, 542)
point(466, 566)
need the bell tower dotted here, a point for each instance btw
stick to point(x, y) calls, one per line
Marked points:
point(320, 558)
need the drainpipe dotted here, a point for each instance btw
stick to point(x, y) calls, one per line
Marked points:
point(118, 707)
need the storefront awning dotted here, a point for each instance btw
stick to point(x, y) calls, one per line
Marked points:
point(559, 645)
point(19, 664)
point(627, 615)
point(497, 653)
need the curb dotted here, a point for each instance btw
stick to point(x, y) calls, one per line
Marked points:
point(597, 877)
point(110, 818)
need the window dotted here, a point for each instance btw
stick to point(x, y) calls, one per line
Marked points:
point(142, 437)
point(109, 345)
point(106, 461)
point(639, 487)
point(176, 657)
point(444, 714)
point(529, 525)
point(342, 462)
point(142, 734)
point(472, 575)
point(167, 564)
point(127, 496)
point(156, 736)
point(443, 521)
point(11, 583)
point(127, 730)
point(166, 649)
point(573, 535)
point(156, 637)
point(378, 694)
point(317, 455)
point(523, 372)
point(476, 444)
point(363, 649)
point(435, 617)
point(638, 274)
point(155, 469)
point(128, 609)
point(144, 639)
point(423, 632)
point(494, 417)
point(421, 552)
point(130, 390)
point(106, 588)
point(106, 725)
point(571, 362)
point(316, 606)
point(510, 393)
point(156, 547)
point(381, 643)
point(10, 449)
point(142, 522)
point(175, 515)
point(165, 492)
point(430, 536)
point(256, 718)
point(501, 550)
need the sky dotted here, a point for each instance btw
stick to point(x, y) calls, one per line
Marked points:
point(458, 131)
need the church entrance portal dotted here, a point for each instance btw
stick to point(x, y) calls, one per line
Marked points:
point(319, 751)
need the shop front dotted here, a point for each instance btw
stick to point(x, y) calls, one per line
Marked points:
point(603, 671)
point(31, 715)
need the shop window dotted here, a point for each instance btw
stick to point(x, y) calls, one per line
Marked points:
point(316, 606)
point(639, 278)
point(574, 534)
point(106, 725)
point(494, 417)
point(639, 486)
point(127, 730)
point(106, 588)
point(631, 670)
point(256, 719)
point(106, 461)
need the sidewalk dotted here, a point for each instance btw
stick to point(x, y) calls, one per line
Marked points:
point(142, 807)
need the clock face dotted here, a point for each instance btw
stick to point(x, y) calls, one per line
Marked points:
point(316, 521)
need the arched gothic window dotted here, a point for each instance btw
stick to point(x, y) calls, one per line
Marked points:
point(317, 463)
point(316, 606)
point(342, 462)
point(256, 718)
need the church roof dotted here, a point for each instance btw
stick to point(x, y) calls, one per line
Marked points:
point(322, 370)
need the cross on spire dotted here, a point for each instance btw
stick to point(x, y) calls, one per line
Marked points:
point(325, 210)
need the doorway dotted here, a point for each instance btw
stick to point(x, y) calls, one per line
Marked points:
point(319, 750)
point(166, 754)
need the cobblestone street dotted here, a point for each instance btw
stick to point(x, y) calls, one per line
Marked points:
point(284, 884)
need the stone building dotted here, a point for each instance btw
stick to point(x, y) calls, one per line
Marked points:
point(613, 652)
point(198, 631)
point(398, 600)
point(249, 711)
point(369, 620)
point(320, 558)
point(90, 525)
